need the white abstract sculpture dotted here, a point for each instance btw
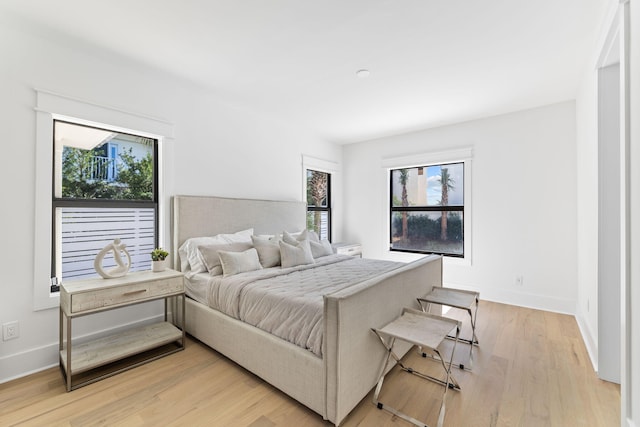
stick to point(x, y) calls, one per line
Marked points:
point(121, 268)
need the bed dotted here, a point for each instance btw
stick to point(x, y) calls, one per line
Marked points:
point(348, 366)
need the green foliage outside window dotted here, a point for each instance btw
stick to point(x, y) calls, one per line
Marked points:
point(134, 177)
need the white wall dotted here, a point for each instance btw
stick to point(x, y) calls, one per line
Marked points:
point(524, 203)
point(631, 387)
point(592, 322)
point(217, 149)
point(587, 217)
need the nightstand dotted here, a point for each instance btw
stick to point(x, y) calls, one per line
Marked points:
point(87, 362)
point(352, 249)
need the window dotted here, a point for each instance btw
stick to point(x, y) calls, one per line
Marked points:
point(427, 209)
point(104, 187)
point(319, 203)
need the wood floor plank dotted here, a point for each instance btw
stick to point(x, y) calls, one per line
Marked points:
point(531, 369)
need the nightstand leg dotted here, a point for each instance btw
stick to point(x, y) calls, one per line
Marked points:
point(183, 325)
point(69, 376)
point(60, 347)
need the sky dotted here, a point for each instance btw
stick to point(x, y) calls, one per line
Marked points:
point(433, 186)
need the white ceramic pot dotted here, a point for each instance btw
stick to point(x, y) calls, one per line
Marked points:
point(157, 266)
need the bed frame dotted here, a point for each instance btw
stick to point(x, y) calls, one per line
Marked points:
point(350, 367)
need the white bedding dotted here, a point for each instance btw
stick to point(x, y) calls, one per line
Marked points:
point(286, 302)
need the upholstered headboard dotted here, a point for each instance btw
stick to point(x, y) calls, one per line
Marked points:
point(195, 216)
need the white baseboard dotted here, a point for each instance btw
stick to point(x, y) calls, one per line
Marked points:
point(37, 359)
point(523, 299)
point(28, 362)
point(589, 340)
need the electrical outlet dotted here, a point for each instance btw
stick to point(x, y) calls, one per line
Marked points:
point(519, 280)
point(10, 331)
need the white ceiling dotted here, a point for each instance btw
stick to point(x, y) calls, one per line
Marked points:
point(431, 62)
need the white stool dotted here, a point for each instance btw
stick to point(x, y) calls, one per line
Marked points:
point(427, 331)
point(460, 299)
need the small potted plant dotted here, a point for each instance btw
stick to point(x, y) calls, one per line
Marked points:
point(159, 261)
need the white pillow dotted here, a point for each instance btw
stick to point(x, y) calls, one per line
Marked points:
point(211, 259)
point(268, 250)
point(313, 236)
point(294, 238)
point(238, 236)
point(321, 248)
point(190, 257)
point(239, 262)
point(293, 255)
point(304, 234)
point(318, 248)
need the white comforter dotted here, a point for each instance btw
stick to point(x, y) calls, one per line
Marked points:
point(288, 302)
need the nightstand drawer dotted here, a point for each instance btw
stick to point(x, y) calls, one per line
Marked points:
point(117, 295)
point(351, 250)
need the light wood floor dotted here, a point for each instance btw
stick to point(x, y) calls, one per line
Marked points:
point(531, 369)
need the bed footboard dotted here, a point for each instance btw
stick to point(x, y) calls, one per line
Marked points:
point(352, 356)
point(292, 369)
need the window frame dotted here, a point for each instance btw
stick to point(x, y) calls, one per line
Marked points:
point(51, 105)
point(327, 208)
point(333, 169)
point(461, 155)
point(67, 202)
point(434, 208)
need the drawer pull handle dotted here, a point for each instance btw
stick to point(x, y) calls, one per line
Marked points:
point(134, 292)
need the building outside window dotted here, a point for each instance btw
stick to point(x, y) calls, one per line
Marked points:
point(104, 188)
point(427, 209)
point(319, 203)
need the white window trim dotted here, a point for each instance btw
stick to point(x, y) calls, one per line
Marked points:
point(50, 106)
point(321, 165)
point(427, 159)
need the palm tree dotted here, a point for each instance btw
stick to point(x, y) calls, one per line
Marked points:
point(316, 194)
point(404, 177)
point(446, 184)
